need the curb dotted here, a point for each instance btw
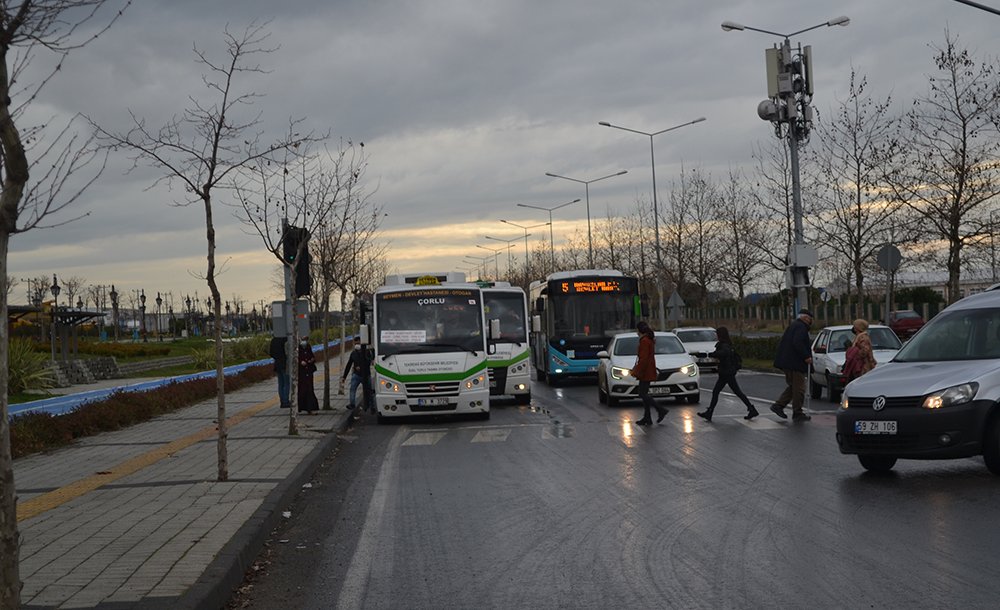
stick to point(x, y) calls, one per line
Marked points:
point(216, 585)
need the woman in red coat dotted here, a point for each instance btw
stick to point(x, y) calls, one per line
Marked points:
point(645, 371)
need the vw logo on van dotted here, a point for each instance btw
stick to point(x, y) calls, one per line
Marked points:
point(879, 403)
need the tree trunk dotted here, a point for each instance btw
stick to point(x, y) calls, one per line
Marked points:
point(326, 357)
point(220, 376)
point(10, 581)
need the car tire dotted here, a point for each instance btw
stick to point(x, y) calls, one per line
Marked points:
point(833, 391)
point(694, 398)
point(523, 399)
point(877, 463)
point(602, 396)
point(991, 446)
point(612, 401)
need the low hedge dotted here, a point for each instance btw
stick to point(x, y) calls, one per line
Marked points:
point(757, 348)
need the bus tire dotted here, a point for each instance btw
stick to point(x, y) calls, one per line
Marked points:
point(523, 399)
point(485, 416)
point(540, 374)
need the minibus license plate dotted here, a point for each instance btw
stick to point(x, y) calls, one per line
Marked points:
point(874, 427)
point(431, 401)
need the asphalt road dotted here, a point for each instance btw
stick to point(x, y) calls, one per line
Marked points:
point(566, 504)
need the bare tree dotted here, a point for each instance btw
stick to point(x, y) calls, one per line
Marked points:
point(204, 149)
point(40, 176)
point(944, 160)
point(744, 232)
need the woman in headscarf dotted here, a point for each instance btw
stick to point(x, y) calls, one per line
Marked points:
point(308, 402)
point(859, 358)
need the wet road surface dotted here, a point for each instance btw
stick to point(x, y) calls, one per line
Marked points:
point(566, 504)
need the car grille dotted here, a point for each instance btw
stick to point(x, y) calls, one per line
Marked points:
point(438, 388)
point(666, 373)
point(893, 402)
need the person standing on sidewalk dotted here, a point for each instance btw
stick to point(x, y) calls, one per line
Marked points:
point(308, 403)
point(729, 363)
point(794, 358)
point(645, 371)
point(277, 351)
point(359, 367)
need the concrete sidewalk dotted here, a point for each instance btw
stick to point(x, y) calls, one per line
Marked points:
point(136, 518)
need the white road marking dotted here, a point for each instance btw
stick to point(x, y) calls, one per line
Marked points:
point(491, 436)
point(424, 438)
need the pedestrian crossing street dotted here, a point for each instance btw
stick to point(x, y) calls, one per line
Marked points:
point(623, 429)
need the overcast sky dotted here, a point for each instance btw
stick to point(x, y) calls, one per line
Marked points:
point(463, 106)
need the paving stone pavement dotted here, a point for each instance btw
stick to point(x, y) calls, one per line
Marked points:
point(136, 518)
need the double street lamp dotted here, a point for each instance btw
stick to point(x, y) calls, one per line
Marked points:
point(159, 301)
point(479, 262)
point(526, 234)
point(509, 243)
point(790, 88)
point(114, 309)
point(496, 257)
point(586, 184)
point(656, 207)
point(552, 248)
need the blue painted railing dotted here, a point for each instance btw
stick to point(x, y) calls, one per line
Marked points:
point(57, 405)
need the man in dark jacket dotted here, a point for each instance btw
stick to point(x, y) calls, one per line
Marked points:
point(359, 366)
point(793, 358)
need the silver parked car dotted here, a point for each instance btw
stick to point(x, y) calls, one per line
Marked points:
point(829, 350)
point(938, 398)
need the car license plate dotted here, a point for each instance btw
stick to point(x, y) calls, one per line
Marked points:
point(659, 390)
point(874, 427)
point(431, 401)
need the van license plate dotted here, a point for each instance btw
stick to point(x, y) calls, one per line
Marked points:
point(874, 427)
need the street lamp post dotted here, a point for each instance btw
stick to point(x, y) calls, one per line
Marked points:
point(55, 311)
point(187, 302)
point(526, 234)
point(142, 315)
point(114, 310)
point(790, 88)
point(552, 247)
point(496, 258)
point(479, 262)
point(656, 207)
point(586, 184)
point(159, 301)
point(509, 243)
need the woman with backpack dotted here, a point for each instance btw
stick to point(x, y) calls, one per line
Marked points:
point(729, 363)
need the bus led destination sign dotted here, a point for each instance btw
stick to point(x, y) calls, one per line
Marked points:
point(591, 286)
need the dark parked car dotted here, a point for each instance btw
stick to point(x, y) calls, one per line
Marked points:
point(905, 322)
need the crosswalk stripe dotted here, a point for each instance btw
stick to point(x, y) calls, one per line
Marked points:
point(424, 438)
point(491, 436)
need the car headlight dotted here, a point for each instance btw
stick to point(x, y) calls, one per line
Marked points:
point(843, 402)
point(618, 372)
point(955, 395)
point(690, 370)
point(388, 385)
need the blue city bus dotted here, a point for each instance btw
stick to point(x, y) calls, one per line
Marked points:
point(574, 315)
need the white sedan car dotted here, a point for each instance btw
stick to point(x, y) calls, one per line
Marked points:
point(829, 350)
point(699, 341)
point(678, 376)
